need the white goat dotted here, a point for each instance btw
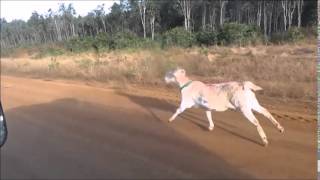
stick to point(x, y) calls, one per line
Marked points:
point(220, 97)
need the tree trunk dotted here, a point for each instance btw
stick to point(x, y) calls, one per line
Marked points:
point(58, 30)
point(238, 12)
point(318, 17)
point(300, 5)
point(104, 24)
point(212, 18)
point(270, 18)
point(222, 11)
point(284, 4)
point(204, 13)
point(152, 19)
point(259, 13)
point(292, 7)
point(265, 19)
point(186, 10)
point(189, 14)
point(142, 10)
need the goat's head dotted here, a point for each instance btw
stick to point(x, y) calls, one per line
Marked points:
point(174, 76)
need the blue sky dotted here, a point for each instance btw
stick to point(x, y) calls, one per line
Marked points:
point(11, 10)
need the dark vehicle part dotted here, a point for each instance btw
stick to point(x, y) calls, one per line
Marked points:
point(3, 127)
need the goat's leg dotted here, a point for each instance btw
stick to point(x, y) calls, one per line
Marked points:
point(268, 115)
point(178, 111)
point(209, 117)
point(250, 116)
point(185, 103)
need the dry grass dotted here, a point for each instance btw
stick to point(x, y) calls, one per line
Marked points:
point(286, 71)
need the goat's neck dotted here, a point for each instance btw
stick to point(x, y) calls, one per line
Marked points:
point(183, 80)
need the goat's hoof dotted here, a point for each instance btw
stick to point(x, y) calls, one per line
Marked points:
point(210, 128)
point(265, 142)
point(281, 129)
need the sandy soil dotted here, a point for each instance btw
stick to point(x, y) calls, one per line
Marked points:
point(62, 129)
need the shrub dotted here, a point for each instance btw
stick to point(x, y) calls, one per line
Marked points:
point(53, 65)
point(178, 36)
point(102, 41)
point(124, 40)
point(204, 51)
point(312, 31)
point(295, 34)
point(84, 64)
point(53, 52)
point(48, 51)
point(80, 44)
point(206, 37)
point(292, 35)
point(105, 41)
point(238, 33)
point(7, 52)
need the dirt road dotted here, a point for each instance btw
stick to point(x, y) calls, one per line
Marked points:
point(61, 130)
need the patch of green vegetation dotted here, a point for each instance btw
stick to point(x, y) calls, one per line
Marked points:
point(48, 51)
point(7, 52)
point(104, 42)
point(178, 36)
point(207, 37)
point(229, 33)
point(84, 63)
point(53, 65)
point(240, 34)
point(204, 51)
point(294, 34)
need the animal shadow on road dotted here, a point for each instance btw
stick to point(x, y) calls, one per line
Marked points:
point(150, 103)
point(92, 141)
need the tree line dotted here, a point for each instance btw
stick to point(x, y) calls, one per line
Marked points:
point(149, 18)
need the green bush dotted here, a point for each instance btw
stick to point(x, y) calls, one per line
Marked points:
point(48, 51)
point(292, 35)
point(53, 52)
point(84, 63)
point(295, 34)
point(102, 41)
point(178, 36)
point(80, 44)
point(125, 40)
point(53, 65)
point(238, 33)
point(206, 37)
point(105, 41)
point(7, 52)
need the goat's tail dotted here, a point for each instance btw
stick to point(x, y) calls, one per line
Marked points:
point(250, 85)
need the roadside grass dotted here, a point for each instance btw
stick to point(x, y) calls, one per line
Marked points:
point(284, 71)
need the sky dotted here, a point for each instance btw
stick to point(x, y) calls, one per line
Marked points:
point(11, 10)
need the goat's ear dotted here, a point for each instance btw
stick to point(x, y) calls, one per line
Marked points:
point(183, 71)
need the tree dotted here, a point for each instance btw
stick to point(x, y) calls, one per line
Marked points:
point(223, 4)
point(259, 13)
point(153, 14)
point(142, 4)
point(204, 14)
point(99, 15)
point(185, 6)
point(212, 14)
point(299, 7)
point(291, 9)
point(142, 18)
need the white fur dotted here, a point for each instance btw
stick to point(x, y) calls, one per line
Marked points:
point(220, 97)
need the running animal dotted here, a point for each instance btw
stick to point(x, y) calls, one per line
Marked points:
point(220, 97)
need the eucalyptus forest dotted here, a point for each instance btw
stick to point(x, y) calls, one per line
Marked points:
point(152, 19)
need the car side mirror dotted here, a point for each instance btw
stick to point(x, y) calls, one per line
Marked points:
point(3, 127)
